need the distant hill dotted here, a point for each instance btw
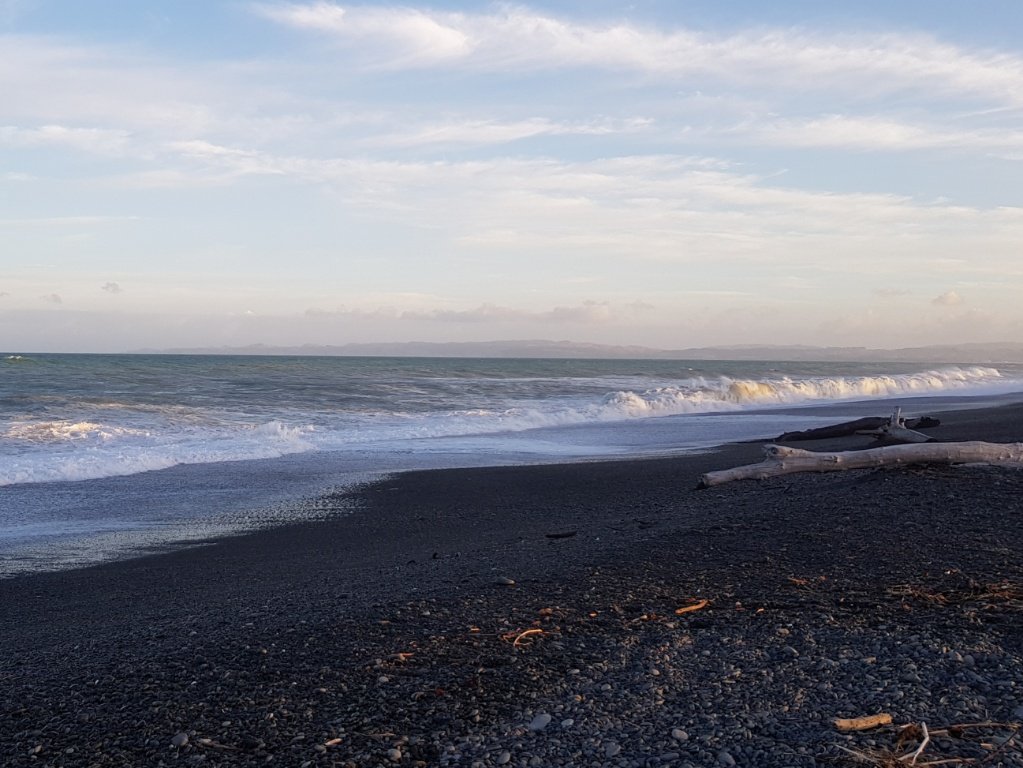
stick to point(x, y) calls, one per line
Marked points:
point(987, 353)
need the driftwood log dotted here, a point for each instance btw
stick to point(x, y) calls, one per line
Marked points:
point(859, 426)
point(896, 432)
point(783, 460)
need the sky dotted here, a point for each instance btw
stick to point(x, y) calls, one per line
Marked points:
point(667, 173)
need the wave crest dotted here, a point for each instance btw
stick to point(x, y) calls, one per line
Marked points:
point(703, 395)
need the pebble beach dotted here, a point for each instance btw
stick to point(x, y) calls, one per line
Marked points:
point(587, 614)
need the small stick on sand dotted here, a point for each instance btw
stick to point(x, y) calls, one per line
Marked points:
point(694, 607)
point(919, 750)
point(863, 723)
point(518, 640)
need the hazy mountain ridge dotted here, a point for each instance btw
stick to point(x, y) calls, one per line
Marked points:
point(978, 353)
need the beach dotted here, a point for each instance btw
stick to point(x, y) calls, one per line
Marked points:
point(537, 615)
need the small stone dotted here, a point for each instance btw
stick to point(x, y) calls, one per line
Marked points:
point(725, 759)
point(250, 743)
point(612, 748)
point(505, 581)
point(179, 740)
point(679, 735)
point(504, 757)
point(394, 755)
point(540, 722)
point(1017, 713)
point(36, 749)
point(568, 722)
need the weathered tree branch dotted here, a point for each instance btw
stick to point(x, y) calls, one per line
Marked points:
point(783, 460)
point(848, 428)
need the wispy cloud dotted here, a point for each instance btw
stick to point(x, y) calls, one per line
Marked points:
point(948, 299)
point(105, 141)
point(479, 132)
point(519, 38)
point(874, 133)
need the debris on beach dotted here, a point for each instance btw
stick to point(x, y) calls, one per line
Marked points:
point(863, 723)
point(782, 460)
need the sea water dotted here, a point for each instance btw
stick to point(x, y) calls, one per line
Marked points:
point(107, 455)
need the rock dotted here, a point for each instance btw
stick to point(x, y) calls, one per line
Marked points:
point(679, 735)
point(540, 722)
point(179, 740)
point(1017, 713)
point(505, 581)
point(725, 758)
point(612, 748)
point(394, 755)
point(504, 757)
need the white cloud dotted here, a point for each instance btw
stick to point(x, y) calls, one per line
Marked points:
point(874, 133)
point(519, 38)
point(103, 141)
point(52, 298)
point(480, 132)
point(111, 288)
point(947, 299)
point(413, 37)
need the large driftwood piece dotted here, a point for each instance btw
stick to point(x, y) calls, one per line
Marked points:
point(866, 425)
point(783, 460)
point(895, 432)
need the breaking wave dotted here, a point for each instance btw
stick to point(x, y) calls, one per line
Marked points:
point(728, 394)
point(105, 438)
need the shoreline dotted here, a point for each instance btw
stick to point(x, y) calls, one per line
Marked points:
point(336, 641)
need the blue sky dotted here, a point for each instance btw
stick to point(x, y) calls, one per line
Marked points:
point(670, 174)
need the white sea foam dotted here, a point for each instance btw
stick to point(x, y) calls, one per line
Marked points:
point(728, 394)
point(110, 438)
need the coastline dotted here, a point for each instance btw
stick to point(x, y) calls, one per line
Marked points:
point(279, 642)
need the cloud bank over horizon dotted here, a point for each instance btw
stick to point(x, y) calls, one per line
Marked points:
point(323, 172)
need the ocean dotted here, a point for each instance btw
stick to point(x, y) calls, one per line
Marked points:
point(105, 456)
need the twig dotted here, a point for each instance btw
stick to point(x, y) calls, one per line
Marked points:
point(694, 607)
point(863, 723)
point(919, 750)
point(518, 640)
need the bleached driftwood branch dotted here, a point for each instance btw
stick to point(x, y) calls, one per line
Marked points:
point(889, 430)
point(783, 460)
point(895, 431)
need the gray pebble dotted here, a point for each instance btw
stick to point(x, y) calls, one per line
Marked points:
point(504, 757)
point(540, 722)
point(179, 740)
point(394, 754)
point(679, 735)
point(612, 748)
point(725, 759)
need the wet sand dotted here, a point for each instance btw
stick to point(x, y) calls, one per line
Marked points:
point(395, 636)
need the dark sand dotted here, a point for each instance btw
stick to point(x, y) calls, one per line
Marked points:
point(386, 637)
